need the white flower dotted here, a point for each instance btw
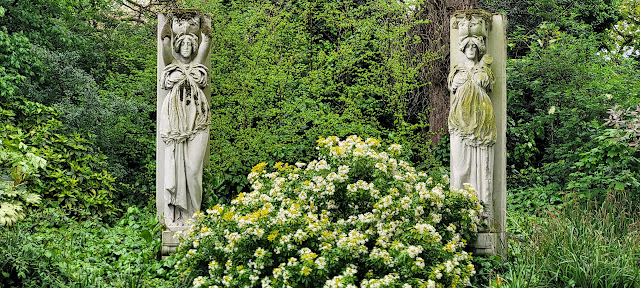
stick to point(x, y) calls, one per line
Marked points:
point(414, 251)
point(395, 148)
point(445, 178)
point(322, 165)
point(260, 252)
point(199, 281)
point(256, 186)
point(293, 176)
point(321, 262)
point(254, 278)
point(300, 235)
point(343, 170)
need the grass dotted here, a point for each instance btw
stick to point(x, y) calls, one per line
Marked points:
point(584, 245)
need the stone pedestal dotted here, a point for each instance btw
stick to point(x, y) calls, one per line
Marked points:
point(170, 241)
point(491, 244)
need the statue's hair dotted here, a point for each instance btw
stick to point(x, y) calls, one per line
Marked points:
point(190, 39)
point(478, 40)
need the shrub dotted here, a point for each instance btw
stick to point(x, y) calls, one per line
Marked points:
point(15, 168)
point(50, 249)
point(614, 163)
point(285, 72)
point(74, 178)
point(357, 215)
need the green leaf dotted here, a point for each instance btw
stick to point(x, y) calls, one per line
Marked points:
point(146, 235)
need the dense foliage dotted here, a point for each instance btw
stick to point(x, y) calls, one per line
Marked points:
point(357, 216)
point(284, 73)
point(560, 85)
point(49, 249)
point(73, 94)
point(77, 127)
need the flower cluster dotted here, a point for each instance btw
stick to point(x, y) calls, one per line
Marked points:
point(358, 216)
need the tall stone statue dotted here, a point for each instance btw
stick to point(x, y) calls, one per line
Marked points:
point(477, 116)
point(183, 114)
point(472, 123)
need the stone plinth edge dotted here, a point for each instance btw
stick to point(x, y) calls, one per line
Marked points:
point(491, 244)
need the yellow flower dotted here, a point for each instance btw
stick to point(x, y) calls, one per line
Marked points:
point(227, 216)
point(272, 236)
point(259, 167)
point(305, 271)
point(279, 166)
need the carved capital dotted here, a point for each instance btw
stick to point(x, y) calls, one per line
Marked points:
point(472, 23)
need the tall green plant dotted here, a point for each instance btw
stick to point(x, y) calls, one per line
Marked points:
point(15, 167)
point(587, 245)
point(75, 178)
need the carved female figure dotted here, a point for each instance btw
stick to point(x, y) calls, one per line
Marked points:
point(472, 124)
point(185, 116)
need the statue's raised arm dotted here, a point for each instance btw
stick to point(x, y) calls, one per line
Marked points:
point(205, 46)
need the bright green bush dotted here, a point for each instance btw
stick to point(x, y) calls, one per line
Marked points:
point(614, 163)
point(558, 99)
point(50, 249)
point(15, 167)
point(75, 178)
point(358, 215)
point(99, 77)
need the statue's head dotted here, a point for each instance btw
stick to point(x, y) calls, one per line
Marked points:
point(473, 47)
point(186, 45)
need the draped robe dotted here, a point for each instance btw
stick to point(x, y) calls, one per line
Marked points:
point(184, 129)
point(472, 129)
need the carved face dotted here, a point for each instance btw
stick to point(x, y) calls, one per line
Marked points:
point(186, 26)
point(471, 51)
point(186, 49)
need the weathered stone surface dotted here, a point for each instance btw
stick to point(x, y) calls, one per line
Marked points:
point(184, 43)
point(477, 119)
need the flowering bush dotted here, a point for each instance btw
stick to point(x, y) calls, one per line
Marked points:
point(356, 217)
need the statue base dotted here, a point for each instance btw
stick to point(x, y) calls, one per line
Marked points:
point(169, 241)
point(491, 243)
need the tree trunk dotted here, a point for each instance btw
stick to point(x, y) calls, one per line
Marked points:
point(435, 44)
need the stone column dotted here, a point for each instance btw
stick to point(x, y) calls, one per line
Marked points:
point(184, 40)
point(489, 30)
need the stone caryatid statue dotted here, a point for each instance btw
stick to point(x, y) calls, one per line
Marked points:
point(183, 113)
point(477, 117)
point(472, 122)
